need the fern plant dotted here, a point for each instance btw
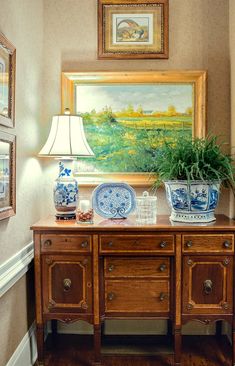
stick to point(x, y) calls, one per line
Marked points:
point(194, 159)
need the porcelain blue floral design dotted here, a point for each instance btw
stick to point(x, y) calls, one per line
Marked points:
point(65, 191)
point(113, 200)
point(194, 202)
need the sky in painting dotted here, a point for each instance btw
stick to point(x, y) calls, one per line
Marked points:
point(150, 97)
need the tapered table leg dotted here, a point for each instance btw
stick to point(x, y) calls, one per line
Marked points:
point(97, 345)
point(178, 346)
point(233, 343)
point(40, 344)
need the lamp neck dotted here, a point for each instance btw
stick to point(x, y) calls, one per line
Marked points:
point(65, 168)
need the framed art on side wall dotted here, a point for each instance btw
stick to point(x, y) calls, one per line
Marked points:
point(127, 115)
point(7, 175)
point(7, 82)
point(130, 29)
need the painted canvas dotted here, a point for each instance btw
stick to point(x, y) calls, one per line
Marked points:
point(4, 77)
point(4, 174)
point(132, 28)
point(125, 124)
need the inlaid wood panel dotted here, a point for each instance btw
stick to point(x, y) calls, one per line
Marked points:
point(67, 282)
point(117, 244)
point(205, 243)
point(136, 267)
point(207, 285)
point(138, 296)
point(65, 243)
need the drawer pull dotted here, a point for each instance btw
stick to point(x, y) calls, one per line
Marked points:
point(162, 296)
point(162, 267)
point(227, 244)
point(207, 285)
point(110, 244)
point(111, 296)
point(47, 243)
point(67, 284)
point(84, 244)
point(189, 244)
point(111, 268)
point(163, 244)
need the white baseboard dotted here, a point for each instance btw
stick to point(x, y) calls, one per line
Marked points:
point(15, 267)
point(26, 353)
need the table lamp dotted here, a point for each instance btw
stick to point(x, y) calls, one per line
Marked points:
point(66, 140)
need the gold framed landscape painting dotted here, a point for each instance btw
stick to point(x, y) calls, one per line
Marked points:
point(127, 115)
point(130, 29)
point(7, 82)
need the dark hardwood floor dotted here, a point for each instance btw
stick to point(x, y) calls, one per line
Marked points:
point(73, 350)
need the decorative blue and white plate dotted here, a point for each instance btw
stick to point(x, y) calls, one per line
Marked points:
point(113, 200)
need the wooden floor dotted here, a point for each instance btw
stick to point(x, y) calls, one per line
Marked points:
point(73, 350)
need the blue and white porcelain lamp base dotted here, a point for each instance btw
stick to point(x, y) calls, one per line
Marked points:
point(65, 192)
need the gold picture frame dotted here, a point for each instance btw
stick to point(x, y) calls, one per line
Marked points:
point(7, 175)
point(7, 82)
point(133, 30)
point(74, 84)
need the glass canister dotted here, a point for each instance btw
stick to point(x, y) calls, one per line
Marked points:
point(146, 209)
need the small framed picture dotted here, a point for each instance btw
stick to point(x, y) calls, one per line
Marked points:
point(7, 175)
point(7, 82)
point(130, 29)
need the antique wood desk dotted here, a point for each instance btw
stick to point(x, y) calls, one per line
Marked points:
point(118, 269)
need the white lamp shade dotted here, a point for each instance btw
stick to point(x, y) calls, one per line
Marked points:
point(66, 138)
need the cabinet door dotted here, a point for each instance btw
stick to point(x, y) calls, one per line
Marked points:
point(67, 283)
point(207, 285)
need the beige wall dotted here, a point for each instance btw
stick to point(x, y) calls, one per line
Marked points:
point(232, 78)
point(199, 39)
point(22, 23)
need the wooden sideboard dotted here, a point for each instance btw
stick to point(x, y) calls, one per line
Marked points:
point(119, 269)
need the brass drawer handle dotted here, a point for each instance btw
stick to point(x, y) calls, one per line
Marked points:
point(162, 267)
point(111, 296)
point(163, 244)
point(110, 267)
point(208, 286)
point(162, 296)
point(189, 244)
point(67, 284)
point(84, 244)
point(227, 244)
point(47, 243)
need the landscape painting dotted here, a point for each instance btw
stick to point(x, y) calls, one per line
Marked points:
point(125, 124)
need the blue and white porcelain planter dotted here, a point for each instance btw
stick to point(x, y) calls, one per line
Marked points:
point(65, 191)
point(192, 202)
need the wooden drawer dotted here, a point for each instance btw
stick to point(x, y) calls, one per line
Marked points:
point(212, 243)
point(65, 243)
point(137, 296)
point(116, 244)
point(136, 267)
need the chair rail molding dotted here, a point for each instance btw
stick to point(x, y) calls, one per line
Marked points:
point(15, 267)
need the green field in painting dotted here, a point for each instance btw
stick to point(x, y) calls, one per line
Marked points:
point(129, 144)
